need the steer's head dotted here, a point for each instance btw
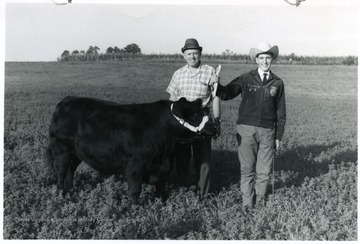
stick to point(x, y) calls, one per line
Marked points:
point(193, 118)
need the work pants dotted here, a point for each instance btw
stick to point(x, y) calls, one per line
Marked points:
point(201, 150)
point(256, 155)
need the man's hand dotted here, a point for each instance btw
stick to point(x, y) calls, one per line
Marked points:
point(217, 70)
point(217, 122)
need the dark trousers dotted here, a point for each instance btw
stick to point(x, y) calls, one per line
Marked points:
point(201, 150)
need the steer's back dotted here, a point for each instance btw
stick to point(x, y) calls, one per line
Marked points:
point(104, 133)
point(76, 115)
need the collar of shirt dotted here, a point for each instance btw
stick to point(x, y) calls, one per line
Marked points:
point(194, 72)
point(261, 73)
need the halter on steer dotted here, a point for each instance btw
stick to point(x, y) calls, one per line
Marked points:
point(197, 129)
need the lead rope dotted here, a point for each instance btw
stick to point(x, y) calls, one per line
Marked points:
point(214, 87)
point(197, 129)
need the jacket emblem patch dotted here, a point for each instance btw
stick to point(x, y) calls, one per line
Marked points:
point(273, 90)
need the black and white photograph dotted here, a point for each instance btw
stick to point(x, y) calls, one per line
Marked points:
point(202, 120)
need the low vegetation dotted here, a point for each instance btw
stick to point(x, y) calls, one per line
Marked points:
point(315, 180)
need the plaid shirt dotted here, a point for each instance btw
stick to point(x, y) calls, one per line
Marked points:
point(192, 85)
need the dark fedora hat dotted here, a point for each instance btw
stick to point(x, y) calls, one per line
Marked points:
point(191, 43)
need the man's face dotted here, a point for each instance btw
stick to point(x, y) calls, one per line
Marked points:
point(192, 57)
point(264, 61)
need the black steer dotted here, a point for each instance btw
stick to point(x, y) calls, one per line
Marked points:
point(135, 139)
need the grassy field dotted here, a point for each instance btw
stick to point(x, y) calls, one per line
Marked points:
point(315, 170)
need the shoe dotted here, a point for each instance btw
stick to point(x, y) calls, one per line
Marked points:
point(260, 202)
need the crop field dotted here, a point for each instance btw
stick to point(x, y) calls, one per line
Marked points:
point(315, 177)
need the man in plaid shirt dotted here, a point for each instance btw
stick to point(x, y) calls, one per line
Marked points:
point(192, 81)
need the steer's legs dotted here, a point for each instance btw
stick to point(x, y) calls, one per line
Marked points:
point(61, 161)
point(134, 172)
point(160, 185)
point(166, 166)
point(69, 177)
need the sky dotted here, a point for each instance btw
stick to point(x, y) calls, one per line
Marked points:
point(42, 30)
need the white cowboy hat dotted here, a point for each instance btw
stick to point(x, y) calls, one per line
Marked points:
point(264, 47)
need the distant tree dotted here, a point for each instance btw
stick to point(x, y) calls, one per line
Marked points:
point(89, 53)
point(96, 49)
point(77, 56)
point(65, 55)
point(118, 53)
point(117, 50)
point(109, 50)
point(227, 53)
point(292, 58)
point(92, 52)
point(132, 49)
point(349, 60)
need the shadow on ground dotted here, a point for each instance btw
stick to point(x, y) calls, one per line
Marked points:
point(301, 161)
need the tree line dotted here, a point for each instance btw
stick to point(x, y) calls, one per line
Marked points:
point(92, 54)
point(133, 51)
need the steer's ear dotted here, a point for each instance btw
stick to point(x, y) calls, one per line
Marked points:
point(182, 103)
point(179, 107)
point(182, 100)
point(198, 102)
